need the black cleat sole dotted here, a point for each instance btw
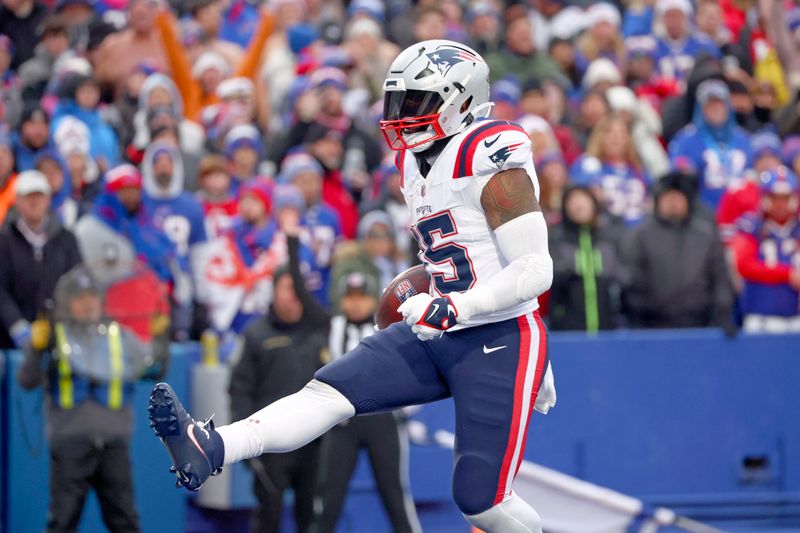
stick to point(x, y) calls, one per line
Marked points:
point(161, 411)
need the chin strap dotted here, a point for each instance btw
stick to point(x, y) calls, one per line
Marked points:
point(475, 115)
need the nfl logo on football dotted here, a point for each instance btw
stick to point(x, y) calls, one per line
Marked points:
point(404, 290)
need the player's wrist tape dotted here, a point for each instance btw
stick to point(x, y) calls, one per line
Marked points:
point(523, 243)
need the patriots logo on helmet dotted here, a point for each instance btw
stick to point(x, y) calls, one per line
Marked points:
point(501, 156)
point(404, 290)
point(445, 58)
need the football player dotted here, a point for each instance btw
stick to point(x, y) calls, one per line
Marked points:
point(477, 337)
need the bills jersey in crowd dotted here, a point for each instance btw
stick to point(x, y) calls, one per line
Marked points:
point(772, 253)
point(622, 188)
point(456, 244)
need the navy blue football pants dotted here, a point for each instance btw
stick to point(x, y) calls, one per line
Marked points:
point(492, 372)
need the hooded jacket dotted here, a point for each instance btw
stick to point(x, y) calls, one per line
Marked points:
point(103, 140)
point(174, 212)
point(719, 155)
point(191, 134)
point(679, 275)
point(587, 272)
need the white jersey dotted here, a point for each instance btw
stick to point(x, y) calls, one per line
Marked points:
point(457, 245)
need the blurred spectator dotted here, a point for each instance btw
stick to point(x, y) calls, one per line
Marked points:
point(371, 54)
point(63, 205)
point(53, 45)
point(89, 380)
point(120, 206)
point(588, 272)
point(383, 436)
point(73, 143)
point(19, 20)
point(207, 16)
point(519, 56)
point(216, 196)
point(602, 38)
point(551, 169)
point(79, 97)
point(321, 225)
point(32, 136)
point(679, 277)
point(87, 29)
point(593, 109)
point(390, 199)
point(281, 353)
point(430, 22)
point(541, 135)
point(36, 251)
point(10, 96)
point(243, 148)
point(160, 105)
point(483, 26)
point(766, 149)
point(678, 111)
point(612, 168)
point(506, 95)
point(710, 23)
point(376, 234)
point(8, 177)
point(678, 44)
point(713, 145)
point(197, 80)
point(178, 215)
point(239, 22)
point(645, 127)
point(121, 53)
point(790, 151)
point(767, 249)
point(535, 101)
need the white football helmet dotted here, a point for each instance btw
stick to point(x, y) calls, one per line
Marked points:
point(434, 89)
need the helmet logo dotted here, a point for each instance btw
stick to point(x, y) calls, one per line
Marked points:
point(445, 58)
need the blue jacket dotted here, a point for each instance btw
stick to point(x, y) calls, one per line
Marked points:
point(102, 138)
point(719, 154)
point(150, 244)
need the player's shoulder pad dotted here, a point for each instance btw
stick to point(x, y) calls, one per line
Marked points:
point(492, 146)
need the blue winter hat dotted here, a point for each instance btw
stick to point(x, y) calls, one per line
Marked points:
point(296, 163)
point(765, 143)
point(506, 90)
point(372, 8)
point(300, 36)
point(287, 195)
point(241, 136)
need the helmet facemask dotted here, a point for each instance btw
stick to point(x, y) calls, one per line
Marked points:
point(411, 119)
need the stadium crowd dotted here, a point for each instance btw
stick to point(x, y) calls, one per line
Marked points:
point(665, 136)
point(207, 142)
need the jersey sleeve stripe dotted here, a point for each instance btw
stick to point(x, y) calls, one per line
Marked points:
point(466, 152)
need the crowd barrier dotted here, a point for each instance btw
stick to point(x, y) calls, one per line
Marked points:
point(707, 425)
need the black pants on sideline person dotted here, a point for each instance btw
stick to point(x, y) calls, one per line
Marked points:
point(273, 473)
point(78, 464)
point(381, 436)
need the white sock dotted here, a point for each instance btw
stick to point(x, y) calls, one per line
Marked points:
point(286, 424)
point(510, 516)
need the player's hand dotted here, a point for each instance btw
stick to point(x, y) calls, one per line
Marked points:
point(429, 317)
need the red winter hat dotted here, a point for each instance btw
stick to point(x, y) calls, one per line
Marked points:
point(261, 190)
point(123, 176)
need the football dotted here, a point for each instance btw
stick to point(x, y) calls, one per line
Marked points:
point(413, 281)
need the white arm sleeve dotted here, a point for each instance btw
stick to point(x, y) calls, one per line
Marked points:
point(529, 273)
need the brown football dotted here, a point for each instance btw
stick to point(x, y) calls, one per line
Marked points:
point(407, 284)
